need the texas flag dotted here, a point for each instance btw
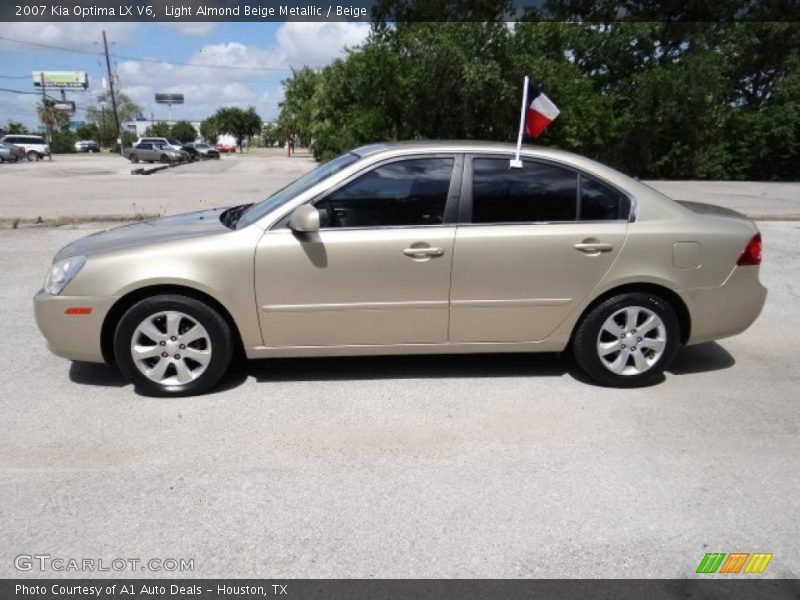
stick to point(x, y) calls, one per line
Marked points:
point(541, 112)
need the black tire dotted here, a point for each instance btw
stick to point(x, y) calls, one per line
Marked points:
point(2, 160)
point(221, 344)
point(164, 158)
point(32, 156)
point(133, 158)
point(587, 337)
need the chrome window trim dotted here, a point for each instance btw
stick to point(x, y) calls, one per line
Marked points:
point(465, 212)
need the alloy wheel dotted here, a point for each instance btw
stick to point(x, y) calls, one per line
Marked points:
point(631, 341)
point(171, 348)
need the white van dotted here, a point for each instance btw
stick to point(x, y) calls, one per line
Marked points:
point(35, 146)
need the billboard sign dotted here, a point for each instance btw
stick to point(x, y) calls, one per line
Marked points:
point(61, 79)
point(66, 106)
point(169, 98)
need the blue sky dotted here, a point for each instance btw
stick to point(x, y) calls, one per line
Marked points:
point(232, 63)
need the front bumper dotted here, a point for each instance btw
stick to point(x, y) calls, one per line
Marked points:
point(72, 336)
point(726, 310)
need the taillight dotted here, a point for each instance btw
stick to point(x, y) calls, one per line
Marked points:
point(751, 255)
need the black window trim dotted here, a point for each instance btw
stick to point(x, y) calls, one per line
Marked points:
point(451, 207)
point(465, 206)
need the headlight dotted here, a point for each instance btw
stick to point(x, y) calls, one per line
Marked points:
point(61, 273)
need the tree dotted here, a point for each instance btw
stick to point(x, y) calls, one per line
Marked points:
point(103, 116)
point(241, 124)
point(159, 129)
point(654, 96)
point(13, 127)
point(209, 130)
point(53, 119)
point(89, 131)
point(271, 134)
point(184, 132)
point(127, 109)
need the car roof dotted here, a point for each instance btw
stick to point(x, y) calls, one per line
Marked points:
point(24, 135)
point(421, 146)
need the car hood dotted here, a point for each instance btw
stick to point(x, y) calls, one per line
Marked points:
point(189, 225)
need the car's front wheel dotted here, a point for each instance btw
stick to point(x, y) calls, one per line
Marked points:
point(32, 155)
point(627, 340)
point(173, 345)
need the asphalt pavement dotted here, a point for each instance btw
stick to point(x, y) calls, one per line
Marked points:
point(452, 466)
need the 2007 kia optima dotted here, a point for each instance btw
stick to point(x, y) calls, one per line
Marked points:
point(411, 248)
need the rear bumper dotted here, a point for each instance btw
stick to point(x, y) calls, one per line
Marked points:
point(728, 309)
point(76, 337)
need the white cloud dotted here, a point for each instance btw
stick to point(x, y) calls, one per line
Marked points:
point(207, 87)
point(317, 43)
point(69, 35)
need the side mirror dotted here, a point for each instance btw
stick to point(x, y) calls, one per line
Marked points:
point(305, 219)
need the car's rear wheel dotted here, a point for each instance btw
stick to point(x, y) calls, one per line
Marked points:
point(133, 158)
point(627, 340)
point(173, 345)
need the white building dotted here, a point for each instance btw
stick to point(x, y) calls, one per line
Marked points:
point(139, 127)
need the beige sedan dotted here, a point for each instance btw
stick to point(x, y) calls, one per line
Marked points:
point(407, 249)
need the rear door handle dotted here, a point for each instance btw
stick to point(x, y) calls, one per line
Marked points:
point(593, 247)
point(423, 252)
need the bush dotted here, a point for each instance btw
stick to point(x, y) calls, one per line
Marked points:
point(63, 142)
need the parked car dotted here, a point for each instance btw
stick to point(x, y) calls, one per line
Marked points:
point(169, 142)
point(35, 146)
point(10, 152)
point(225, 148)
point(412, 248)
point(150, 152)
point(202, 151)
point(87, 146)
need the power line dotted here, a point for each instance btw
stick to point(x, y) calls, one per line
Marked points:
point(148, 60)
point(15, 76)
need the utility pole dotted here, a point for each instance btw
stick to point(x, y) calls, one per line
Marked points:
point(113, 96)
point(47, 133)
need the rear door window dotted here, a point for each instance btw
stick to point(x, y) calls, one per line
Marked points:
point(538, 192)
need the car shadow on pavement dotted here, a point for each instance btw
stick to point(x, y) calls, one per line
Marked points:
point(701, 359)
point(408, 367)
point(694, 359)
point(100, 374)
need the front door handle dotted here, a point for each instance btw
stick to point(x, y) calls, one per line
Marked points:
point(423, 252)
point(593, 247)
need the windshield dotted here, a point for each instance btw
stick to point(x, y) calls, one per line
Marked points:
point(295, 188)
point(174, 142)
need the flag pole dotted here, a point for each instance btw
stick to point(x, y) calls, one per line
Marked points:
point(517, 163)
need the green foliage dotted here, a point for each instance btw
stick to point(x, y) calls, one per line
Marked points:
point(159, 129)
point(13, 127)
point(127, 109)
point(209, 130)
point(241, 124)
point(63, 142)
point(90, 131)
point(657, 99)
point(271, 134)
point(183, 131)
